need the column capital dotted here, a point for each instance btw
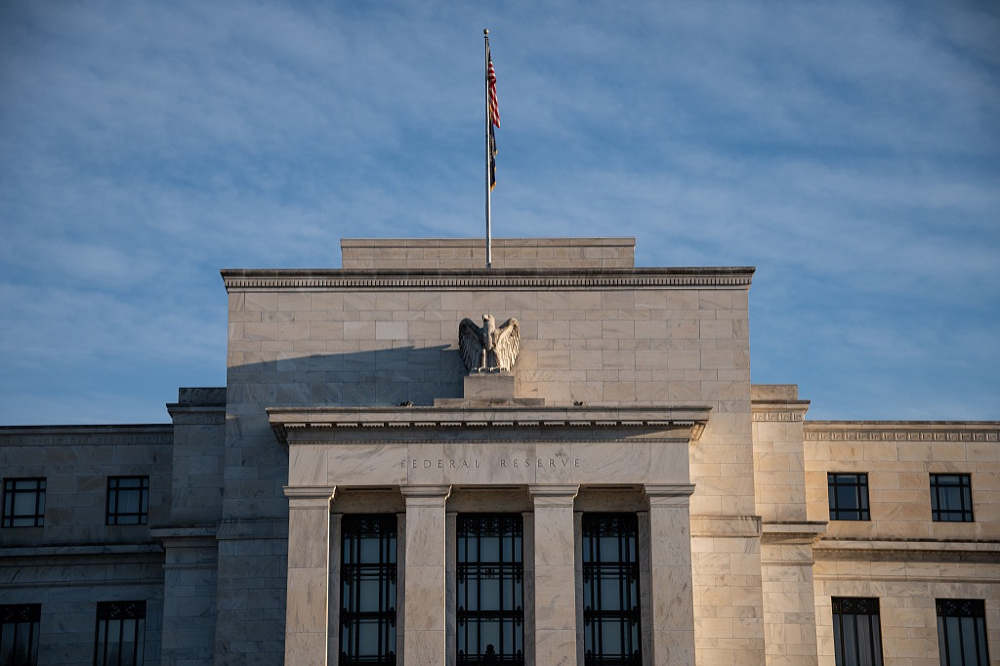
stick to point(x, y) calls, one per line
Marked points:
point(553, 494)
point(425, 495)
point(304, 497)
point(668, 494)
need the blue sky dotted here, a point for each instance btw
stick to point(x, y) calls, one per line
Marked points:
point(850, 151)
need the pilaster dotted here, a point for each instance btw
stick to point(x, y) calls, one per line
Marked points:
point(307, 611)
point(671, 593)
point(555, 580)
point(425, 598)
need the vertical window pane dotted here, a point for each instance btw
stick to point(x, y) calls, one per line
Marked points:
point(119, 635)
point(368, 590)
point(611, 590)
point(857, 632)
point(962, 632)
point(19, 634)
point(490, 613)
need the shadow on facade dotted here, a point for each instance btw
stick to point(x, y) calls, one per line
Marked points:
point(382, 377)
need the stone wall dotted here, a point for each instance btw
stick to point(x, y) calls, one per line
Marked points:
point(788, 534)
point(190, 537)
point(75, 560)
point(596, 336)
point(901, 556)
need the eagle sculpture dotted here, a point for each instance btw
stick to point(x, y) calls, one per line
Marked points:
point(487, 348)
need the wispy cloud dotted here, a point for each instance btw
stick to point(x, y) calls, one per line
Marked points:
point(851, 153)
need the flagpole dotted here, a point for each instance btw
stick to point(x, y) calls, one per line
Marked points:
point(489, 257)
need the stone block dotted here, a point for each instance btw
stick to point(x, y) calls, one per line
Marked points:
point(489, 386)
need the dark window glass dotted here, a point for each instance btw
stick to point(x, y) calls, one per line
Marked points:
point(19, 634)
point(951, 498)
point(490, 589)
point(611, 589)
point(848, 496)
point(857, 632)
point(128, 500)
point(120, 636)
point(23, 502)
point(368, 590)
point(961, 627)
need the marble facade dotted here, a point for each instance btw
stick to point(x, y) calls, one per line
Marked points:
point(346, 394)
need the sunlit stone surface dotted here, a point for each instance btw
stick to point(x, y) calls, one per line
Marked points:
point(631, 395)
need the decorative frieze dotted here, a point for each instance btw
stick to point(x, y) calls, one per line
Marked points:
point(780, 411)
point(509, 279)
point(780, 416)
point(832, 431)
point(117, 435)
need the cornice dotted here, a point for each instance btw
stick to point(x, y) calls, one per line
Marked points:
point(786, 411)
point(87, 435)
point(914, 550)
point(34, 552)
point(507, 279)
point(902, 431)
point(333, 420)
point(795, 532)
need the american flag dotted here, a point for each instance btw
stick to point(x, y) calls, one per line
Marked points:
point(491, 84)
point(491, 77)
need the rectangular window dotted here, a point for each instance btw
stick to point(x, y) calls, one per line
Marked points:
point(19, 634)
point(120, 634)
point(128, 500)
point(857, 632)
point(611, 590)
point(23, 502)
point(368, 590)
point(490, 589)
point(951, 498)
point(961, 625)
point(848, 496)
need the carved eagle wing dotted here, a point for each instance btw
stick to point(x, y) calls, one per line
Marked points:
point(508, 344)
point(470, 344)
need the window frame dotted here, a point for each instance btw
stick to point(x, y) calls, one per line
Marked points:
point(834, 482)
point(962, 609)
point(113, 514)
point(470, 574)
point(120, 612)
point(354, 529)
point(963, 487)
point(863, 613)
point(626, 570)
point(10, 493)
point(17, 615)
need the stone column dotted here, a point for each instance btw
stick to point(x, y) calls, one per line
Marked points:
point(670, 574)
point(555, 581)
point(528, 589)
point(333, 621)
point(424, 598)
point(307, 612)
point(451, 585)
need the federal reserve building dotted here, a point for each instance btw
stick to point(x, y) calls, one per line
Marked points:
point(559, 460)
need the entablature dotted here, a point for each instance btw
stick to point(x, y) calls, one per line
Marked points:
point(505, 279)
point(902, 431)
point(291, 424)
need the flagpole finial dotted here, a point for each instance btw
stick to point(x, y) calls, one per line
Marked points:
point(486, 32)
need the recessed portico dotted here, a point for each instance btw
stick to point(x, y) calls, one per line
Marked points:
point(559, 460)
